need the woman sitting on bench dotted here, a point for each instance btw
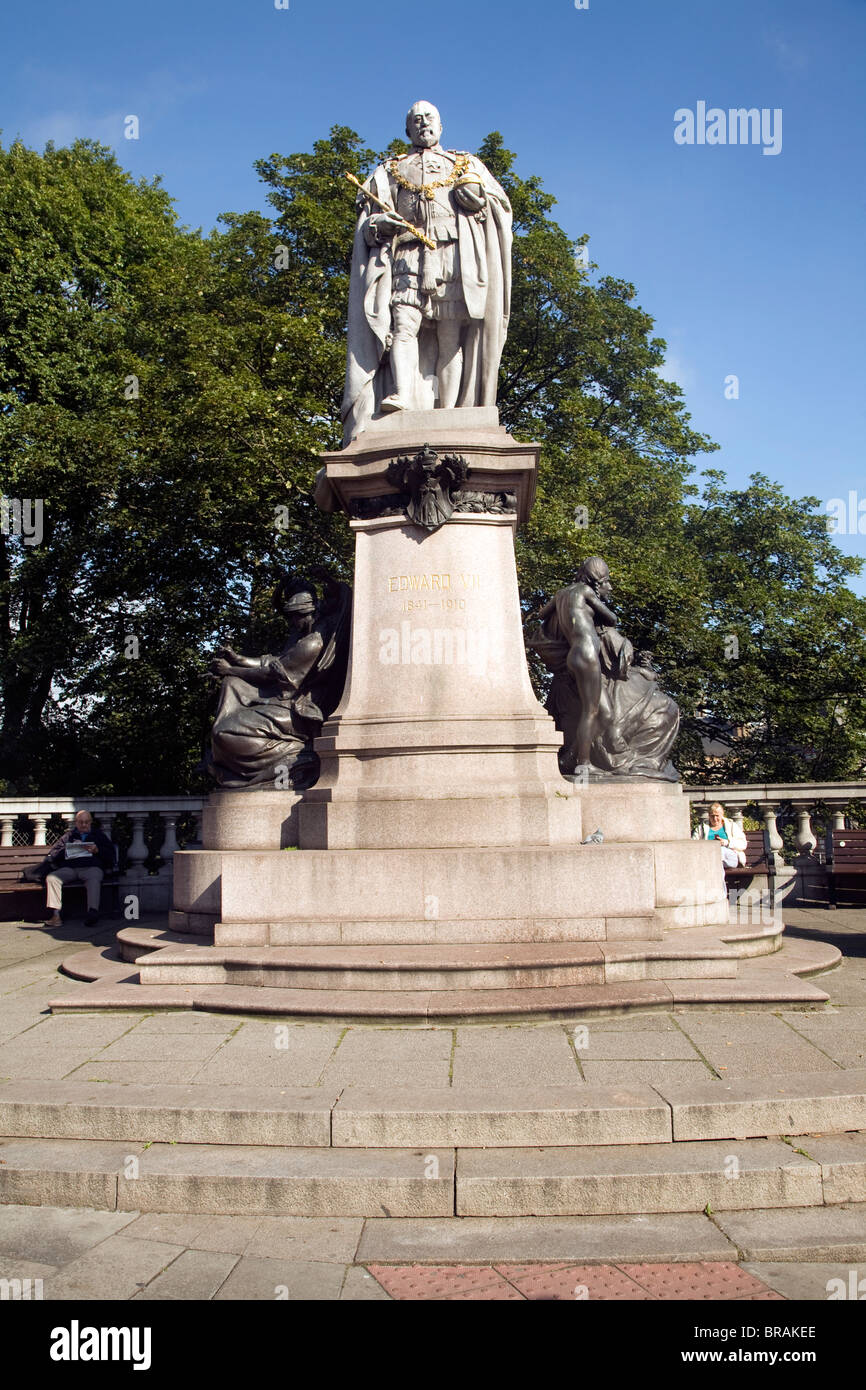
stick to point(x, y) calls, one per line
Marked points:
point(82, 855)
point(730, 836)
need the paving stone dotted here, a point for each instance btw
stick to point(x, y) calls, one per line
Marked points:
point(28, 1272)
point(630, 1073)
point(286, 1035)
point(256, 1055)
point(515, 1056)
point(717, 1279)
point(850, 987)
point(130, 1073)
point(445, 1283)
point(800, 1233)
point(399, 1057)
point(186, 1022)
point(752, 1044)
point(360, 1286)
point(843, 1045)
point(850, 1018)
point(79, 1030)
point(633, 1179)
point(196, 1274)
point(632, 1023)
point(588, 1239)
point(634, 1044)
point(161, 1047)
point(32, 1057)
point(56, 1235)
point(116, 1269)
point(807, 1282)
point(9, 1034)
point(573, 1283)
point(331, 1239)
point(278, 1280)
point(228, 1234)
point(499, 1116)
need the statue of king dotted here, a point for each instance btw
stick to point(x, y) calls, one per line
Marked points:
point(431, 282)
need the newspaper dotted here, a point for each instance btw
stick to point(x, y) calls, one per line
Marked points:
point(75, 849)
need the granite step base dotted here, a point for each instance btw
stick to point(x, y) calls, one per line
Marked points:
point(504, 967)
point(828, 1102)
point(428, 1182)
point(446, 984)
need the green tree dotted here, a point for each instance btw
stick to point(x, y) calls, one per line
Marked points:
point(167, 409)
point(782, 670)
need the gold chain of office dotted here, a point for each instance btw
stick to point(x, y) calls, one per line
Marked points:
point(457, 175)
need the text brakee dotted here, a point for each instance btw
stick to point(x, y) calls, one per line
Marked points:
point(724, 1334)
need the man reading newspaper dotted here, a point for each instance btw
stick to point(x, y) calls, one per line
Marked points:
point(82, 855)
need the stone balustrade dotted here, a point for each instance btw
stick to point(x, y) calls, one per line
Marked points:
point(812, 806)
point(144, 815)
point(824, 802)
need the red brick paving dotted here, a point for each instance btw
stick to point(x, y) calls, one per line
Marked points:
point(707, 1279)
point(573, 1282)
point(716, 1280)
point(443, 1282)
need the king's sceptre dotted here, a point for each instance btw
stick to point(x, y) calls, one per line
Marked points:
point(416, 231)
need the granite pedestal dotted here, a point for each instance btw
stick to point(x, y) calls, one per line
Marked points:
point(440, 817)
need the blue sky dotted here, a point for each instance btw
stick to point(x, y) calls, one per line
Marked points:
point(751, 264)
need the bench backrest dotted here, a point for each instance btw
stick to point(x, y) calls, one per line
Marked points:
point(14, 858)
point(756, 853)
point(846, 847)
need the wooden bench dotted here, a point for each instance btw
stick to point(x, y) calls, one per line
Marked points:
point(758, 865)
point(846, 867)
point(25, 902)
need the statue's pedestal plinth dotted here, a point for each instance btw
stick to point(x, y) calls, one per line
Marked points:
point(439, 740)
point(440, 822)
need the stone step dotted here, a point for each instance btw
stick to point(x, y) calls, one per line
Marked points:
point(357, 1118)
point(99, 963)
point(827, 1102)
point(550, 1116)
point(399, 931)
point(508, 966)
point(797, 1234)
point(237, 1180)
point(636, 1179)
point(578, 1002)
point(167, 1113)
point(606, 1180)
point(135, 941)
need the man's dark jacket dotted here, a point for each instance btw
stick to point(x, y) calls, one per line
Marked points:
point(104, 858)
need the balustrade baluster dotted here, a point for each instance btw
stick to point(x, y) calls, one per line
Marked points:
point(806, 841)
point(39, 823)
point(169, 843)
point(138, 851)
point(774, 842)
